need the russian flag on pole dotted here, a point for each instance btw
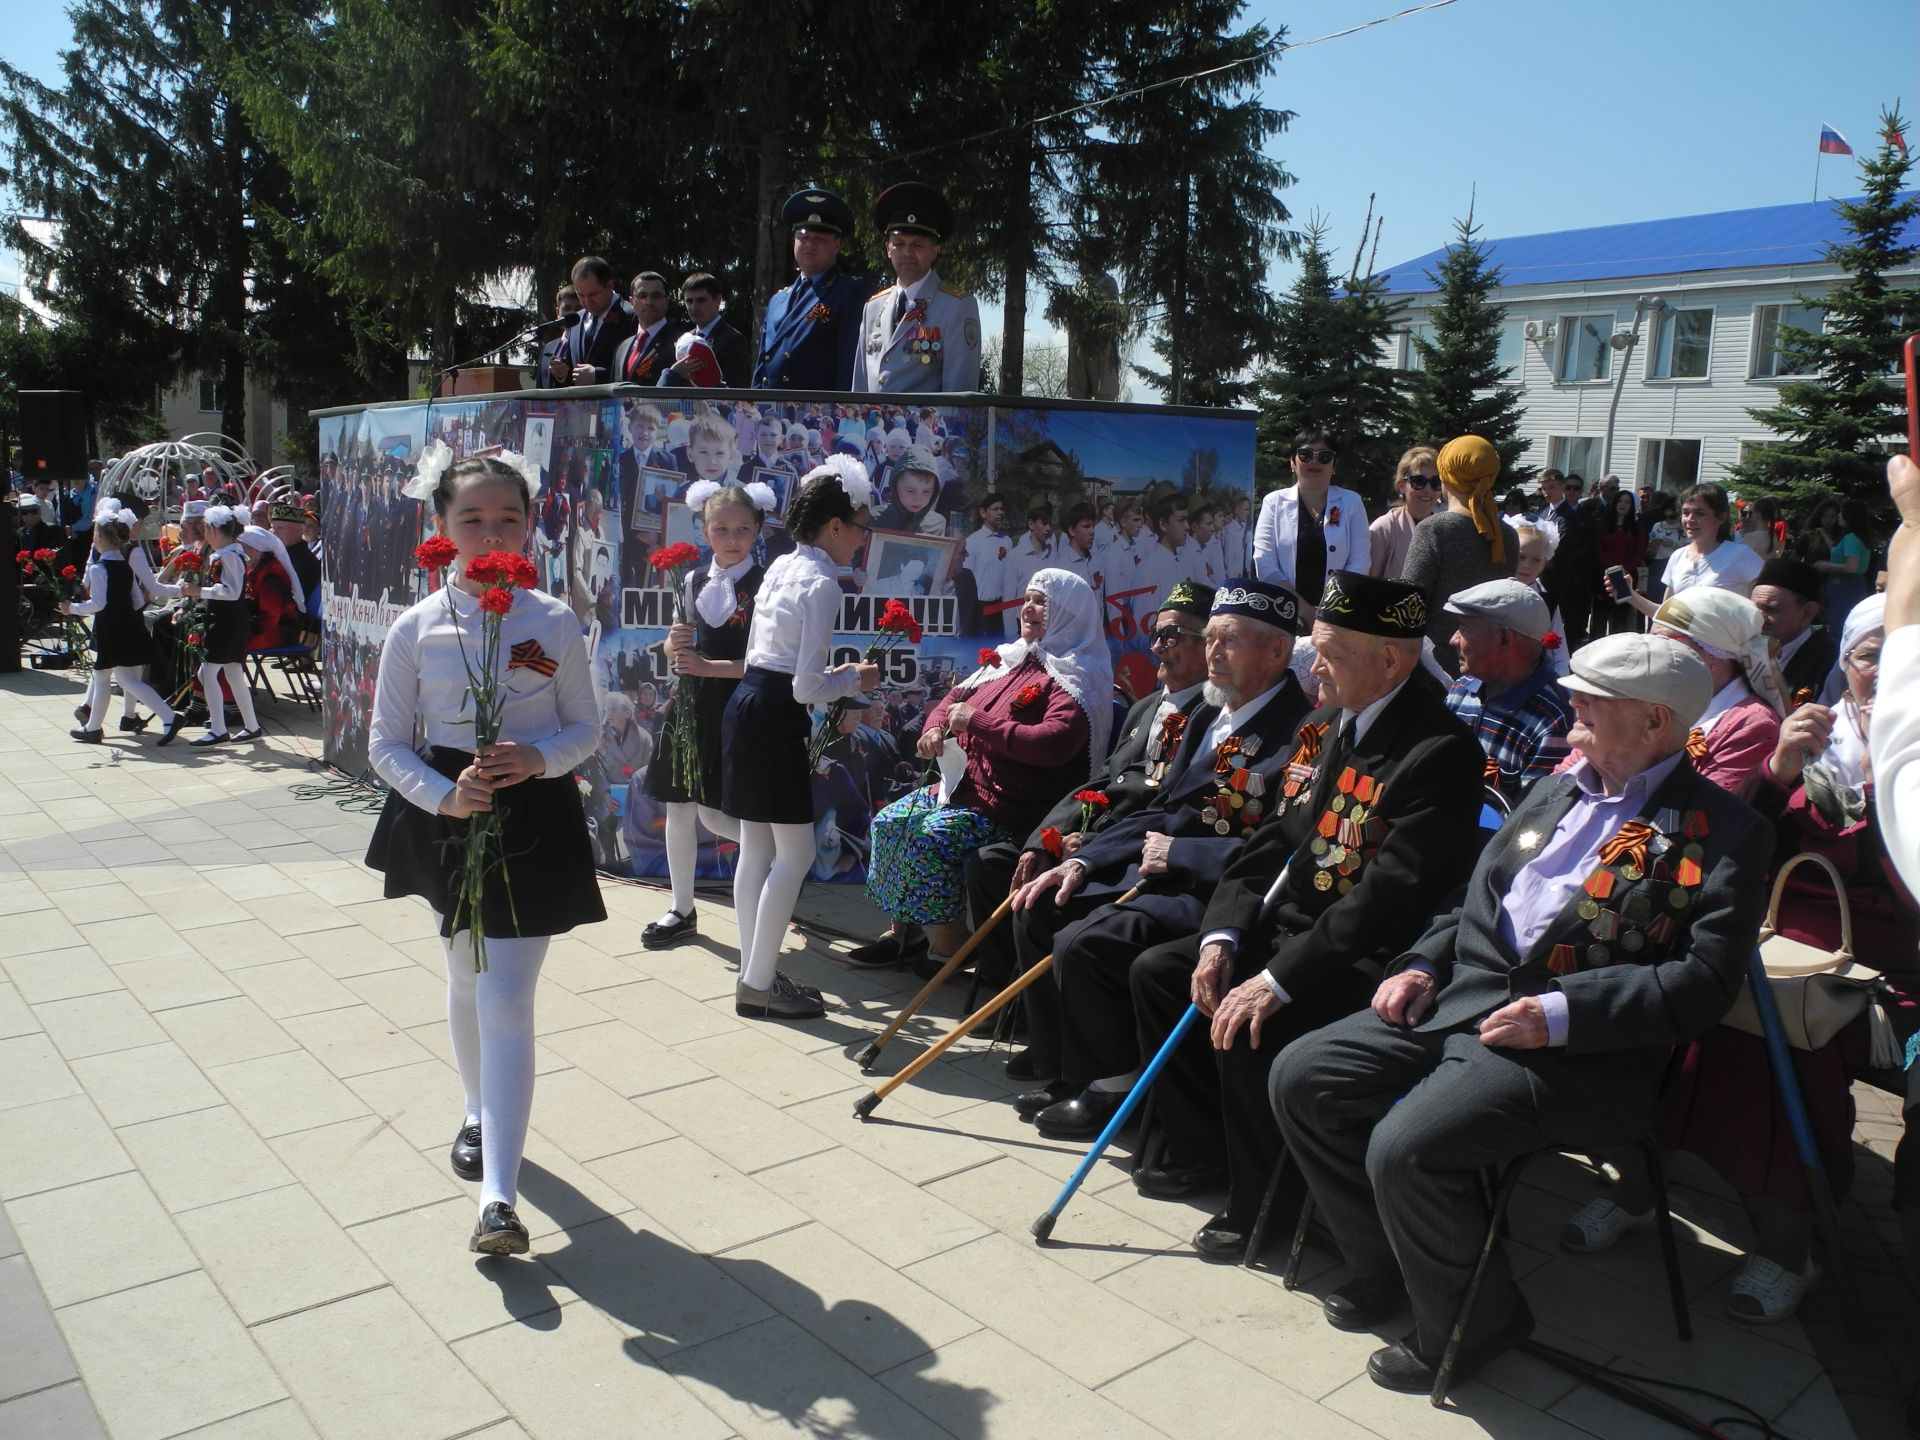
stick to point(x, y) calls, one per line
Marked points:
point(1832, 142)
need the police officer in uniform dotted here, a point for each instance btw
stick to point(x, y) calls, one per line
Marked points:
point(813, 326)
point(917, 334)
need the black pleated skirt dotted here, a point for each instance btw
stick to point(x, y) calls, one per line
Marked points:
point(763, 741)
point(550, 884)
point(710, 697)
point(121, 637)
point(226, 633)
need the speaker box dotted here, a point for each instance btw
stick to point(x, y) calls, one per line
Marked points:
point(53, 434)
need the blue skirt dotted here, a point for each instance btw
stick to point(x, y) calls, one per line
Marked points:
point(763, 741)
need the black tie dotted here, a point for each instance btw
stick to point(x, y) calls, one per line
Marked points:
point(899, 309)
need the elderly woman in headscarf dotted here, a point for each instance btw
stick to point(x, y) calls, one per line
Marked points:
point(1466, 544)
point(1031, 722)
point(1741, 726)
point(1817, 787)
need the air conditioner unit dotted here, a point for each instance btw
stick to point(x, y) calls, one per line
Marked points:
point(1541, 330)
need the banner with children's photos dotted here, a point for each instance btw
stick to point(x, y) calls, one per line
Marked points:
point(1131, 498)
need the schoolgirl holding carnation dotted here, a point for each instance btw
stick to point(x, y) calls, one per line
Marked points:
point(433, 678)
point(766, 779)
point(122, 647)
point(223, 586)
point(709, 651)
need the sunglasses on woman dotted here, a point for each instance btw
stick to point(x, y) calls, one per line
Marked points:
point(1318, 457)
point(1422, 482)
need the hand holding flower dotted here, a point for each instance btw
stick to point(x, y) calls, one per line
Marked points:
point(959, 717)
point(507, 762)
point(471, 795)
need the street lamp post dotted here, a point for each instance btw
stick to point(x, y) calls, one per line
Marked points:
point(1623, 343)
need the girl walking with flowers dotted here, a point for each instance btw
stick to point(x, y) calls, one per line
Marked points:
point(707, 648)
point(223, 589)
point(121, 645)
point(485, 823)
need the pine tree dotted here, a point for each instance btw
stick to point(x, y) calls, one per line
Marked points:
point(1327, 372)
point(1835, 423)
point(1461, 387)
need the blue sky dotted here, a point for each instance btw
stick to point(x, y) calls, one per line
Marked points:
point(1564, 113)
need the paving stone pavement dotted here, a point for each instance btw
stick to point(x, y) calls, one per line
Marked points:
point(226, 1093)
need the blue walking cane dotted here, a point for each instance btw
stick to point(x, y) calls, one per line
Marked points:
point(1042, 1227)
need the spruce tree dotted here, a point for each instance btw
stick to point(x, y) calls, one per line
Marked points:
point(1461, 387)
point(1327, 372)
point(1834, 423)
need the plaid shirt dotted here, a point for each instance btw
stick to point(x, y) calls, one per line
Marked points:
point(1523, 730)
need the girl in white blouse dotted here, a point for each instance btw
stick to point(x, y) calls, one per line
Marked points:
point(122, 647)
point(550, 723)
point(767, 783)
point(224, 588)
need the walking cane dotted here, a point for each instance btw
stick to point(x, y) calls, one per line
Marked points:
point(1043, 1226)
point(867, 1056)
point(864, 1106)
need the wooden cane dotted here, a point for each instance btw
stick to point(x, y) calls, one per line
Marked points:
point(864, 1107)
point(954, 961)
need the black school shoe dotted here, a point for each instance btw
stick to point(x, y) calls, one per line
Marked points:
point(88, 737)
point(135, 723)
point(464, 1157)
point(254, 734)
point(889, 950)
point(173, 728)
point(498, 1231)
point(210, 738)
point(661, 935)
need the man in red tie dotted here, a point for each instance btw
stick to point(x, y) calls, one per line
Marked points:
point(646, 355)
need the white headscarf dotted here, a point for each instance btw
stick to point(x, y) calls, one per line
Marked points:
point(1073, 651)
point(1845, 757)
point(1727, 626)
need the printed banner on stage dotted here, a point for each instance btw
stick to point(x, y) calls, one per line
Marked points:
point(959, 548)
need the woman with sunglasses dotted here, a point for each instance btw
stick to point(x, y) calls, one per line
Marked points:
point(1416, 479)
point(1306, 532)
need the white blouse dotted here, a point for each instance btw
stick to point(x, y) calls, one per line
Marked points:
point(96, 600)
point(423, 677)
point(227, 576)
point(154, 587)
point(794, 617)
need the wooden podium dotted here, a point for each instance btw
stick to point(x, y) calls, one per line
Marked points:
point(483, 380)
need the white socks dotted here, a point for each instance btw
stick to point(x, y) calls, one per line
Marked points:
point(490, 1016)
point(766, 886)
point(132, 687)
point(683, 847)
point(243, 697)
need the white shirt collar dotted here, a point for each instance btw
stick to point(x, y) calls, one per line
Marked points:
point(921, 288)
point(1177, 699)
point(1239, 718)
point(1363, 721)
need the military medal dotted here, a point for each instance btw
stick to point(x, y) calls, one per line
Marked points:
point(1528, 839)
point(1632, 942)
point(1562, 960)
point(1323, 881)
point(1598, 954)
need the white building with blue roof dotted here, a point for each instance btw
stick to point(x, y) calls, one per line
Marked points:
point(1662, 331)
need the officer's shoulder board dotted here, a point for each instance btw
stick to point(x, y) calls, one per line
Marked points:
point(956, 294)
point(888, 291)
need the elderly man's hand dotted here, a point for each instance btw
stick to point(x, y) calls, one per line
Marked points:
point(1216, 963)
point(1404, 999)
point(1155, 853)
point(1521, 1025)
point(1061, 882)
point(1247, 1005)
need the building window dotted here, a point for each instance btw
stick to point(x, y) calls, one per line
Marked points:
point(1681, 345)
point(1576, 455)
point(1512, 354)
point(210, 396)
point(1586, 348)
point(1669, 465)
point(1768, 362)
point(1409, 352)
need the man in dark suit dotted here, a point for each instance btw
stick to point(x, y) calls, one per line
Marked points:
point(646, 355)
point(566, 301)
point(605, 321)
point(1787, 595)
point(1610, 920)
point(1131, 779)
point(702, 295)
point(1373, 840)
point(1224, 777)
point(812, 330)
point(1573, 571)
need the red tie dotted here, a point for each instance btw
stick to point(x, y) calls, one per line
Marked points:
point(639, 349)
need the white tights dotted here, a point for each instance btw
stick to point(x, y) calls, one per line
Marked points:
point(766, 886)
point(100, 695)
point(210, 674)
point(683, 846)
point(490, 1016)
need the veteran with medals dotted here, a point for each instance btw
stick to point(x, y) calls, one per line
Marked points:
point(1218, 791)
point(918, 333)
point(812, 328)
point(1377, 827)
point(1610, 919)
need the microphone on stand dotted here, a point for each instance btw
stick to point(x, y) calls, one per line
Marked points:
point(540, 329)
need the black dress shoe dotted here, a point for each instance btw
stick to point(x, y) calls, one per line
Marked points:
point(88, 737)
point(1080, 1118)
point(1176, 1182)
point(498, 1231)
point(888, 951)
point(662, 934)
point(1221, 1238)
point(210, 738)
point(1032, 1102)
point(135, 723)
point(1021, 1066)
point(173, 729)
point(465, 1155)
point(254, 734)
point(80, 712)
point(1362, 1304)
point(1400, 1367)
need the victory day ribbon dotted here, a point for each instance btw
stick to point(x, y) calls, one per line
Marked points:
point(1491, 775)
point(1629, 845)
point(1171, 729)
point(1696, 744)
point(1223, 754)
point(528, 655)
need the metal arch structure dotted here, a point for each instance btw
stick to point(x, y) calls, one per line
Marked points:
point(159, 473)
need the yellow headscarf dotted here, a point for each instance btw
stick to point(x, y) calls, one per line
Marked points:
point(1468, 467)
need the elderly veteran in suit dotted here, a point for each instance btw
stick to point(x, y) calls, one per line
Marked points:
point(1225, 776)
point(1375, 825)
point(917, 333)
point(1610, 920)
point(1131, 779)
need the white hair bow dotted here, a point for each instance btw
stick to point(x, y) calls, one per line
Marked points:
point(699, 493)
point(764, 500)
point(529, 470)
point(852, 476)
point(434, 461)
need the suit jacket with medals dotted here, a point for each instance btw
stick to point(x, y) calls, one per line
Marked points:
point(1123, 779)
point(934, 346)
point(1375, 842)
point(1811, 664)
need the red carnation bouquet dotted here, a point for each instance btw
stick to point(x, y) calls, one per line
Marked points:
point(188, 564)
point(683, 745)
point(896, 623)
point(500, 576)
point(989, 658)
point(44, 567)
point(1093, 804)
